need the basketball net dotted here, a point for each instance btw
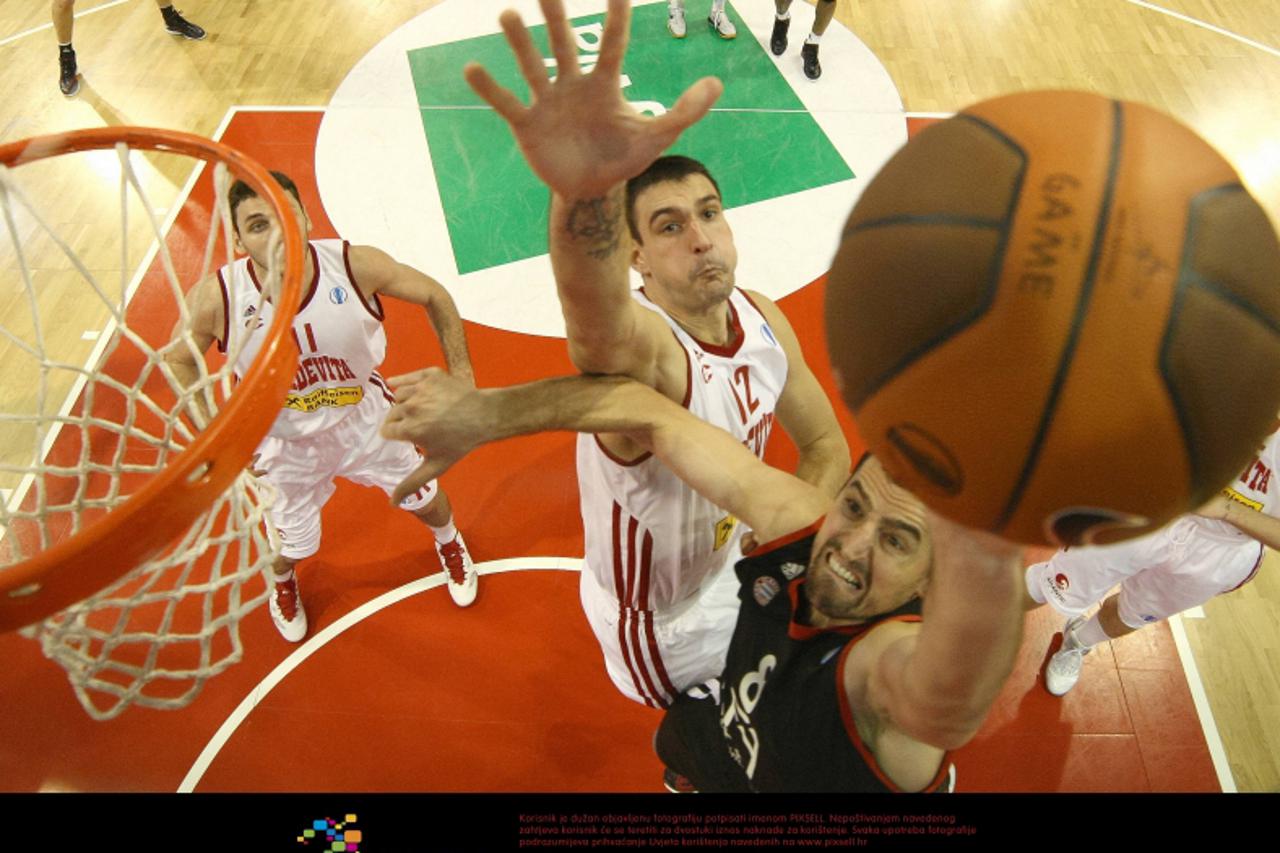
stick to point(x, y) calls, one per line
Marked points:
point(86, 437)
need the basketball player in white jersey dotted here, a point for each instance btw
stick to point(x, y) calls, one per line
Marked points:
point(1216, 550)
point(657, 584)
point(329, 426)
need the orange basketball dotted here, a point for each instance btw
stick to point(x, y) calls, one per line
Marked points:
point(1056, 317)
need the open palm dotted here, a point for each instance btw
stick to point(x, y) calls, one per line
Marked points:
point(578, 133)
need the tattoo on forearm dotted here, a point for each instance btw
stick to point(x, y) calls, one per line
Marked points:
point(595, 223)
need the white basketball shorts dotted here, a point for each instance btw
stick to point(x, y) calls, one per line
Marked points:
point(303, 470)
point(653, 656)
point(1160, 574)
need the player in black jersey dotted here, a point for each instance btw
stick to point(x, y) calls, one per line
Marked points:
point(832, 682)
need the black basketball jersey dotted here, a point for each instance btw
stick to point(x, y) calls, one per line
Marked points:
point(783, 723)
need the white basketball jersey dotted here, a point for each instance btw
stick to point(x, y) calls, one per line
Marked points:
point(339, 335)
point(651, 539)
point(1253, 489)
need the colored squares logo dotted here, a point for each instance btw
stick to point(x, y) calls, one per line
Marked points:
point(335, 835)
point(496, 208)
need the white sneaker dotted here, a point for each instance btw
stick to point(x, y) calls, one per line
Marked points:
point(675, 21)
point(724, 27)
point(1063, 670)
point(286, 610)
point(459, 570)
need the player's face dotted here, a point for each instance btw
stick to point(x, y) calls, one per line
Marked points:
point(686, 254)
point(256, 226)
point(873, 552)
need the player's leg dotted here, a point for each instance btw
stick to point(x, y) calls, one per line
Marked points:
point(451, 548)
point(781, 23)
point(809, 53)
point(719, 21)
point(177, 25)
point(63, 14)
point(303, 483)
point(1072, 581)
point(372, 460)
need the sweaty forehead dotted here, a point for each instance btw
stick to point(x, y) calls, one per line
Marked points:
point(887, 496)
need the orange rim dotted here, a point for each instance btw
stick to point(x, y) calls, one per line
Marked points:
point(132, 533)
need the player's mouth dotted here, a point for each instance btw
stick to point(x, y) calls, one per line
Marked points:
point(854, 574)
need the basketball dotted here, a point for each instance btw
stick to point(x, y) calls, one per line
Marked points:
point(1056, 317)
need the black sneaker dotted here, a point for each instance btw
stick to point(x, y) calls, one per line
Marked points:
point(68, 79)
point(180, 26)
point(778, 41)
point(675, 783)
point(812, 69)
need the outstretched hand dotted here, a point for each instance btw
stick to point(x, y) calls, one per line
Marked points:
point(440, 413)
point(578, 133)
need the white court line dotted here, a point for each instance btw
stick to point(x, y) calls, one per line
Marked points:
point(1196, 22)
point(1201, 700)
point(49, 25)
point(321, 639)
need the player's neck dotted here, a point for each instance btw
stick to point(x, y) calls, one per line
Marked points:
point(711, 325)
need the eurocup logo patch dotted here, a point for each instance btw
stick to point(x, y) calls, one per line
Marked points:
point(338, 295)
point(764, 590)
point(1062, 582)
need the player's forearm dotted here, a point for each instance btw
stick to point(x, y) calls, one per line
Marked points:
point(825, 462)
point(1249, 521)
point(453, 340)
point(969, 637)
point(590, 255)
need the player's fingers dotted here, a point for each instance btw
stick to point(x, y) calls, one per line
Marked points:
point(695, 103)
point(527, 55)
point(613, 43)
point(501, 99)
point(560, 35)
point(425, 473)
point(413, 376)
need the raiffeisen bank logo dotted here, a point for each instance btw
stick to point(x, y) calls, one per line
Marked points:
point(411, 160)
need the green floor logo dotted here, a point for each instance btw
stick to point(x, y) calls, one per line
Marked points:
point(759, 142)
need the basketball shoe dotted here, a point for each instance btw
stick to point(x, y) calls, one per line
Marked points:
point(778, 41)
point(812, 68)
point(719, 21)
point(177, 25)
point(675, 21)
point(1063, 670)
point(68, 79)
point(461, 572)
point(286, 610)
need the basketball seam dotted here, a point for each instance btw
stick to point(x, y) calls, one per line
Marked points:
point(932, 219)
point(869, 389)
point(1189, 279)
point(1077, 322)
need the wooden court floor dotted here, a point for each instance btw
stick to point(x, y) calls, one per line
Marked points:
point(1214, 64)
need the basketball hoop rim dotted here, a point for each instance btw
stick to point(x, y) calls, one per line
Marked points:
point(127, 536)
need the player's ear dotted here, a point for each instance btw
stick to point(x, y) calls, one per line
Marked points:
point(638, 260)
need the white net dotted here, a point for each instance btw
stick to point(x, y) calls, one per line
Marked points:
point(82, 435)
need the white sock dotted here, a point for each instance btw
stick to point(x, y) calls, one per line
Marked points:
point(785, 16)
point(444, 535)
point(1087, 635)
point(284, 578)
point(717, 6)
point(813, 38)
